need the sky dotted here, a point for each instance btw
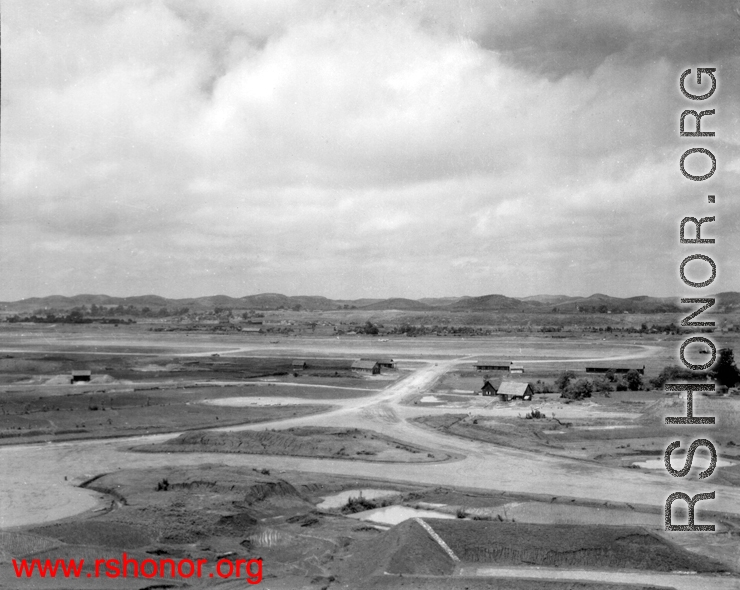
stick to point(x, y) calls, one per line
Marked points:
point(363, 149)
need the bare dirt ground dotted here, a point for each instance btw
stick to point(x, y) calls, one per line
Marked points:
point(47, 491)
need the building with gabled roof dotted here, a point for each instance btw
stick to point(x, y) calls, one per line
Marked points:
point(607, 369)
point(510, 390)
point(371, 367)
point(492, 366)
point(488, 388)
point(384, 363)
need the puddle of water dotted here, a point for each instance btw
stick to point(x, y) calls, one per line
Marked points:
point(677, 462)
point(340, 499)
point(393, 515)
point(542, 513)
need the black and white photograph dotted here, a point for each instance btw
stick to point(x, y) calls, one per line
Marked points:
point(370, 295)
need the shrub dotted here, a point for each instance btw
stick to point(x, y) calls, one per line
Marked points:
point(633, 379)
point(725, 371)
point(534, 414)
point(358, 504)
point(579, 389)
point(603, 384)
point(563, 380)
point(670, 373)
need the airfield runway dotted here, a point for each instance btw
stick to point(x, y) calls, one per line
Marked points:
point(39, 483)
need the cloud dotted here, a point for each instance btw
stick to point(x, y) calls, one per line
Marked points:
point(402, 149)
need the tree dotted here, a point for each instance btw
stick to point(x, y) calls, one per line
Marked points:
point(671, 373)
point(75, 316)
point(725, 371)
point(578, 389)
point(563, 379)
point(633, 379)
point(602, 384)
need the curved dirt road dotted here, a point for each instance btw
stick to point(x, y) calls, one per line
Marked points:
point(40, 493)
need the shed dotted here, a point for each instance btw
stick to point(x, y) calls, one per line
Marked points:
point(509, 390)
point(606, 369)
point(516, 368)
point(491, 366)
point(488, 388)
point(366, 367)
point(80, 376)
point(384, 363)
point(299, 365)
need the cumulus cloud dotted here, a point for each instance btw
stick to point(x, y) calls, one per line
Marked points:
point(188, 147)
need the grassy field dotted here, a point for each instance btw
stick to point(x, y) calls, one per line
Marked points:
point(27, 416)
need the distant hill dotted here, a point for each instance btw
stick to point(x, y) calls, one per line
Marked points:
point(441, 301)
point(596, 303)
point(548, 299)
point(493, 303)
point(400, 304)
point(728, 301)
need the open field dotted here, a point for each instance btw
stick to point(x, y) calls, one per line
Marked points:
point(29, 417)
point(279, 440)
point(334, 443)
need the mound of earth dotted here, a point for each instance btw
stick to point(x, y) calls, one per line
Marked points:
point(725, 410)
point(407, 548)
point(94, 380)
point(422, 547)
point(327, 442)
point(562, 545)
point(20, 544)
point(99, 533)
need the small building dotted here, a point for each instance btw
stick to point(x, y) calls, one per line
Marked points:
point(516, 368)
point(80, 376)
point(371, 367)
point(492, 366)
point(606, 369)
point(384, 363)
point(488, 389)
point(300, 365)
point(511, 390)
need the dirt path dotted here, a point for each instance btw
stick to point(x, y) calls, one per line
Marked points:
point(40, 493)
point(677, 581)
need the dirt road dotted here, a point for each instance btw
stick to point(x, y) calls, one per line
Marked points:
point(33, 488)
